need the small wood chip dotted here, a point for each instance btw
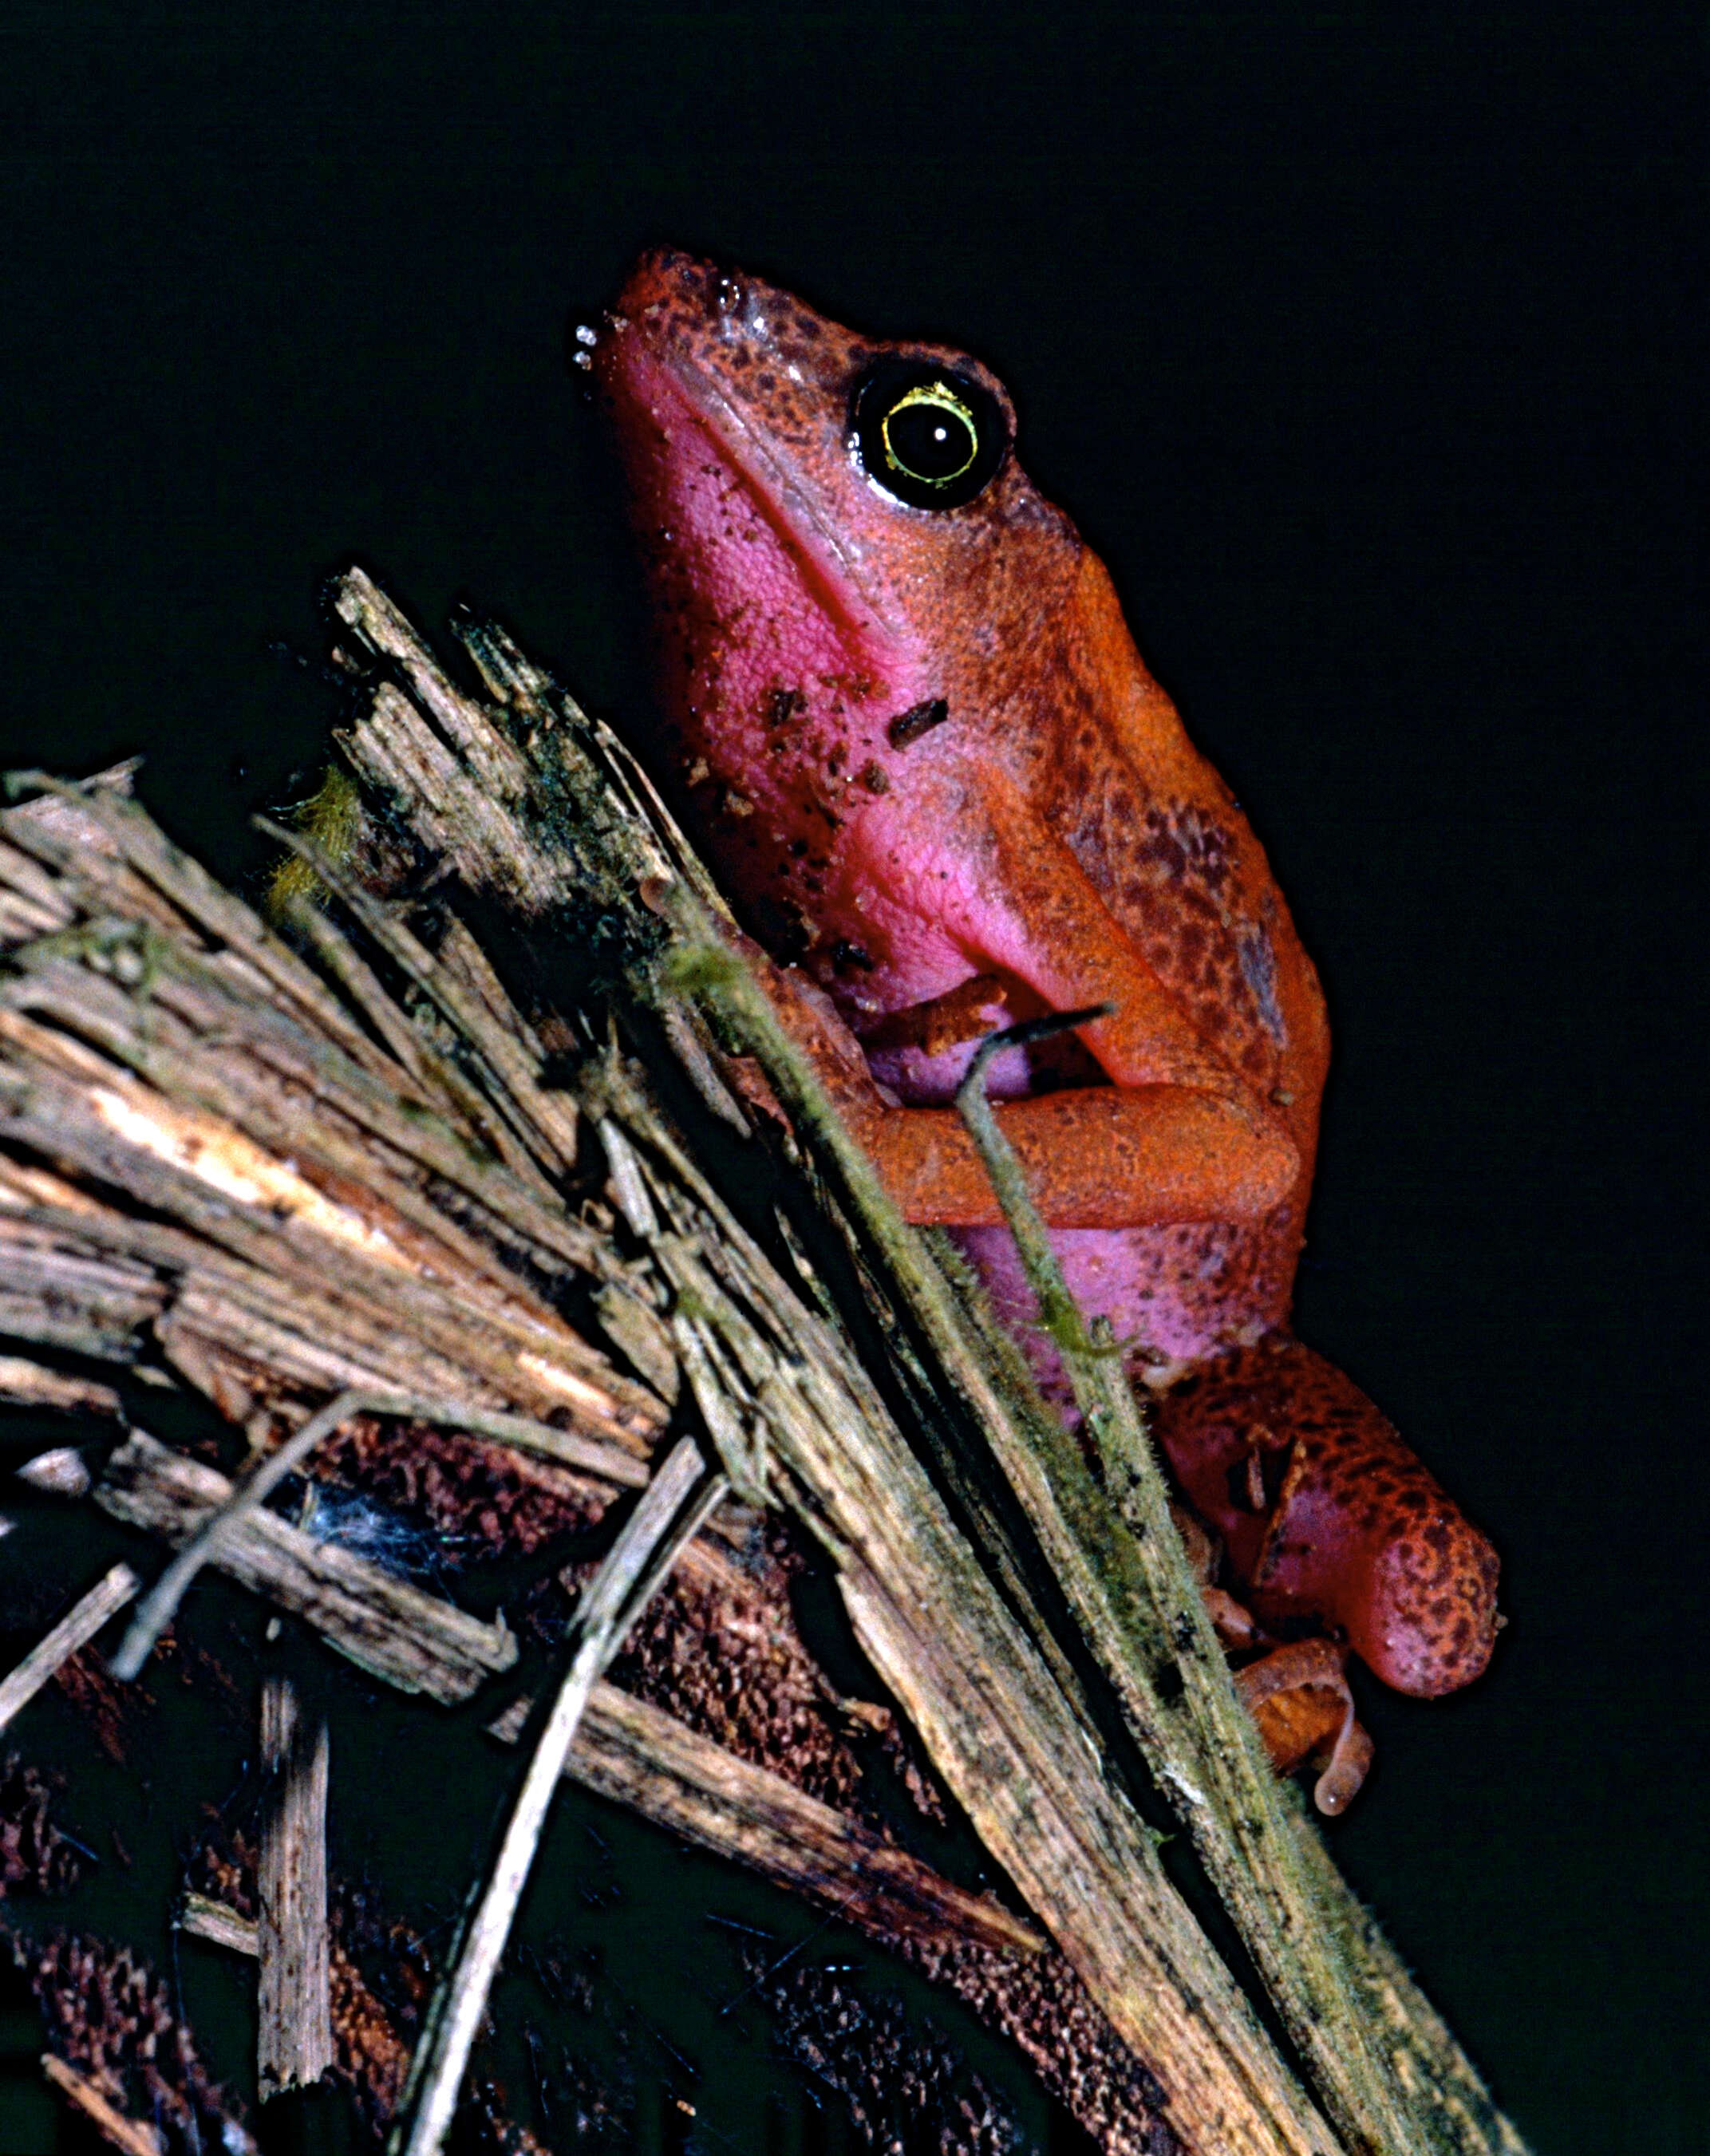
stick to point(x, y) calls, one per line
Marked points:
point(27, 1384)
point(219, 1924)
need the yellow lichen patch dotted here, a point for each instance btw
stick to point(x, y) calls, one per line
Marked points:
point(333, 819)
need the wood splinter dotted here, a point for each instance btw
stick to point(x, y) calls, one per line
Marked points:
point(75, 1629)
point(294, 2043)
point(677, 1503)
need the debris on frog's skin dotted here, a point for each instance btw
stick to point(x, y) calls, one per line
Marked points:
point(61, 1472)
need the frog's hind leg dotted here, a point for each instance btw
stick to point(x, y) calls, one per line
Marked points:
point(1328, 1517)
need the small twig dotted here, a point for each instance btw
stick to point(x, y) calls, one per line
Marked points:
point(133, 2135)
point(674, 1507)
point(75, 1629)
point(156, 1610)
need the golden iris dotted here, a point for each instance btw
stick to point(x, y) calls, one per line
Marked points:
point(930, 434)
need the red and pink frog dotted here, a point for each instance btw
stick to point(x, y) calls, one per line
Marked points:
point(938, 781)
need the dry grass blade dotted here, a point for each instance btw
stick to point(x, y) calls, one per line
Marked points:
point(675, 1506)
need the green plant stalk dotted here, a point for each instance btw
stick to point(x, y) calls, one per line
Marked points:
point(1380, 2064)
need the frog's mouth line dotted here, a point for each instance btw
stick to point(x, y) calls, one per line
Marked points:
point(785, 503)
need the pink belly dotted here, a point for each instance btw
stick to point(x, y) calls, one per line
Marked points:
point(1172, 1295)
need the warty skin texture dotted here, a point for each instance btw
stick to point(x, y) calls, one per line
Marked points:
point(935, 774)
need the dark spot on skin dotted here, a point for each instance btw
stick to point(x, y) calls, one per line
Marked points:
point(782, 705)
point(1167, 1681)
point(786, 931)
point(917, 719)
point(871, 775)
point(846, 954)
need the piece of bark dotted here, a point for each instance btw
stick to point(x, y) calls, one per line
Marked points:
point(134, 2135)
point(75, 1629)
point(416, 1641)
point(294, 2041)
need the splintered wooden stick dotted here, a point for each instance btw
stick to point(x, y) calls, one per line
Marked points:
point(676, 1504)
point(294, 2042)
point(75, 1629)
point(135, 2135)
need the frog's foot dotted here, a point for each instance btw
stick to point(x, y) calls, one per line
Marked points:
point(1326, 1516)
point(1299, 1697)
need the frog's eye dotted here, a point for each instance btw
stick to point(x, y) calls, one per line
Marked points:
point(930, 438)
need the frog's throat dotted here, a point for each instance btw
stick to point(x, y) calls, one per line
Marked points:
point(786, 501)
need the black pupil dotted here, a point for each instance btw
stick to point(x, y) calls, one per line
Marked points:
point(930, 436)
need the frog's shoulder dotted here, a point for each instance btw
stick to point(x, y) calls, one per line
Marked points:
point(1160, 836)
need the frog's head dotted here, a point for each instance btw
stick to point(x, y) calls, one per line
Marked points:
point(886, 473)
point(837, 529)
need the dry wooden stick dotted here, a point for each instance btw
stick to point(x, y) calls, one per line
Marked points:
point(134, 2135)
point(293, 2042)
point(75, 1629)
point(676, 1504)
point(155, 1612)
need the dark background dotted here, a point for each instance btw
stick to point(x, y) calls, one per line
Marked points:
point(1371, 356)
